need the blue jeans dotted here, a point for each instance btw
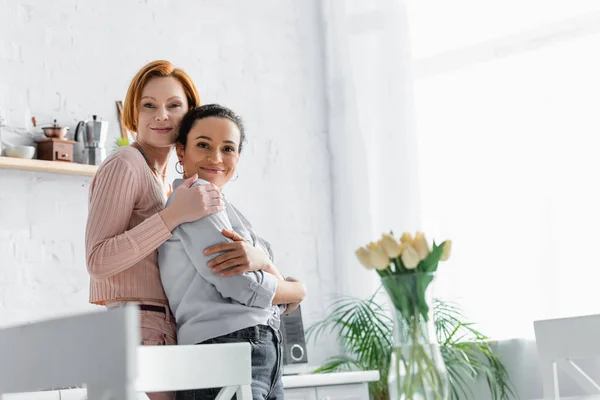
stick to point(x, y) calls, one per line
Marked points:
point(267, 361)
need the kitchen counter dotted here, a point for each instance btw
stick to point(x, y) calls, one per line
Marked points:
point(339, 378)
point(308, 386)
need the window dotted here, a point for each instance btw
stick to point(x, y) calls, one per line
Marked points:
point(507, 119)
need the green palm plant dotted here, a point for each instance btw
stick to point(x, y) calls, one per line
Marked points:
point(365, 330)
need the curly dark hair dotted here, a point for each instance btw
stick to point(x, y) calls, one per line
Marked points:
point(206, 111)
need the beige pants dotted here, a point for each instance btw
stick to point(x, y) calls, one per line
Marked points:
point(158, 329)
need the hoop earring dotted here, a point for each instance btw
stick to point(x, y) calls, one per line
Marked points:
point(237, 175)
point(181, 166)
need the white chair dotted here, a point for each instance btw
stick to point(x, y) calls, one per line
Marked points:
point(102, 350)
point(226, 366)
point(559, 343)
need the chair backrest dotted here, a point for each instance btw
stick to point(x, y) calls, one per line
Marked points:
point(102, 350)
point(163, 368)
point(562, 341)
point(98, 348)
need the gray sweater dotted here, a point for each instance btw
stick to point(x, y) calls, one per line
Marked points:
point(206, 305)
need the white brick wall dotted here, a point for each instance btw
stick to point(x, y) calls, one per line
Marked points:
point(69, 59)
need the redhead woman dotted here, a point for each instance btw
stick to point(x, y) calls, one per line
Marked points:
point(127, 218)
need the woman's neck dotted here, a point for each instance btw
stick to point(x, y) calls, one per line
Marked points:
point(158, 157)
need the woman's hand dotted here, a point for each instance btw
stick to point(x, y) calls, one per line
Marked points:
point(240, 256)
point(192, 203)
point(291, 307)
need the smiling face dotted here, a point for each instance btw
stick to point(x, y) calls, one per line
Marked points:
point(162, 105)
point(211, 150)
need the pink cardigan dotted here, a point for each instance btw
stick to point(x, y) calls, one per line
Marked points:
point(124, 230)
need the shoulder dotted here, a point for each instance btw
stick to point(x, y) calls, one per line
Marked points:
point(241, 216)
point(178, 182)
point(126, 159)
point(200, 182)
point(128, 155)
point(120, 168)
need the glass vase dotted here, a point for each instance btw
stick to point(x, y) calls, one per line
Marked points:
point(417, 370)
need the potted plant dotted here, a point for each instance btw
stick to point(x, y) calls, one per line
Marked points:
point(423, 348)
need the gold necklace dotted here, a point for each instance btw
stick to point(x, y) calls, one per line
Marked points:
point(137, 146)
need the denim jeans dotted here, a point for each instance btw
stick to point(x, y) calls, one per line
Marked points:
point(267, 363)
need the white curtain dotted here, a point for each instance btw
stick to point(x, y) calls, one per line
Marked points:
point(373, 148)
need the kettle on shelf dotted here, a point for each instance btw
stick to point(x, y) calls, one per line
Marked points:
point(93, 136)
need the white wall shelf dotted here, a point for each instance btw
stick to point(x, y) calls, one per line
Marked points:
point(57, 167)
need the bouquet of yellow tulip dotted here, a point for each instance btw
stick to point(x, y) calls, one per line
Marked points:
point(408, 255)
point(404, 255)
point(407, 266)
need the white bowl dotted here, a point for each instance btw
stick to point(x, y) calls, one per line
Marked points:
point(20, 151)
